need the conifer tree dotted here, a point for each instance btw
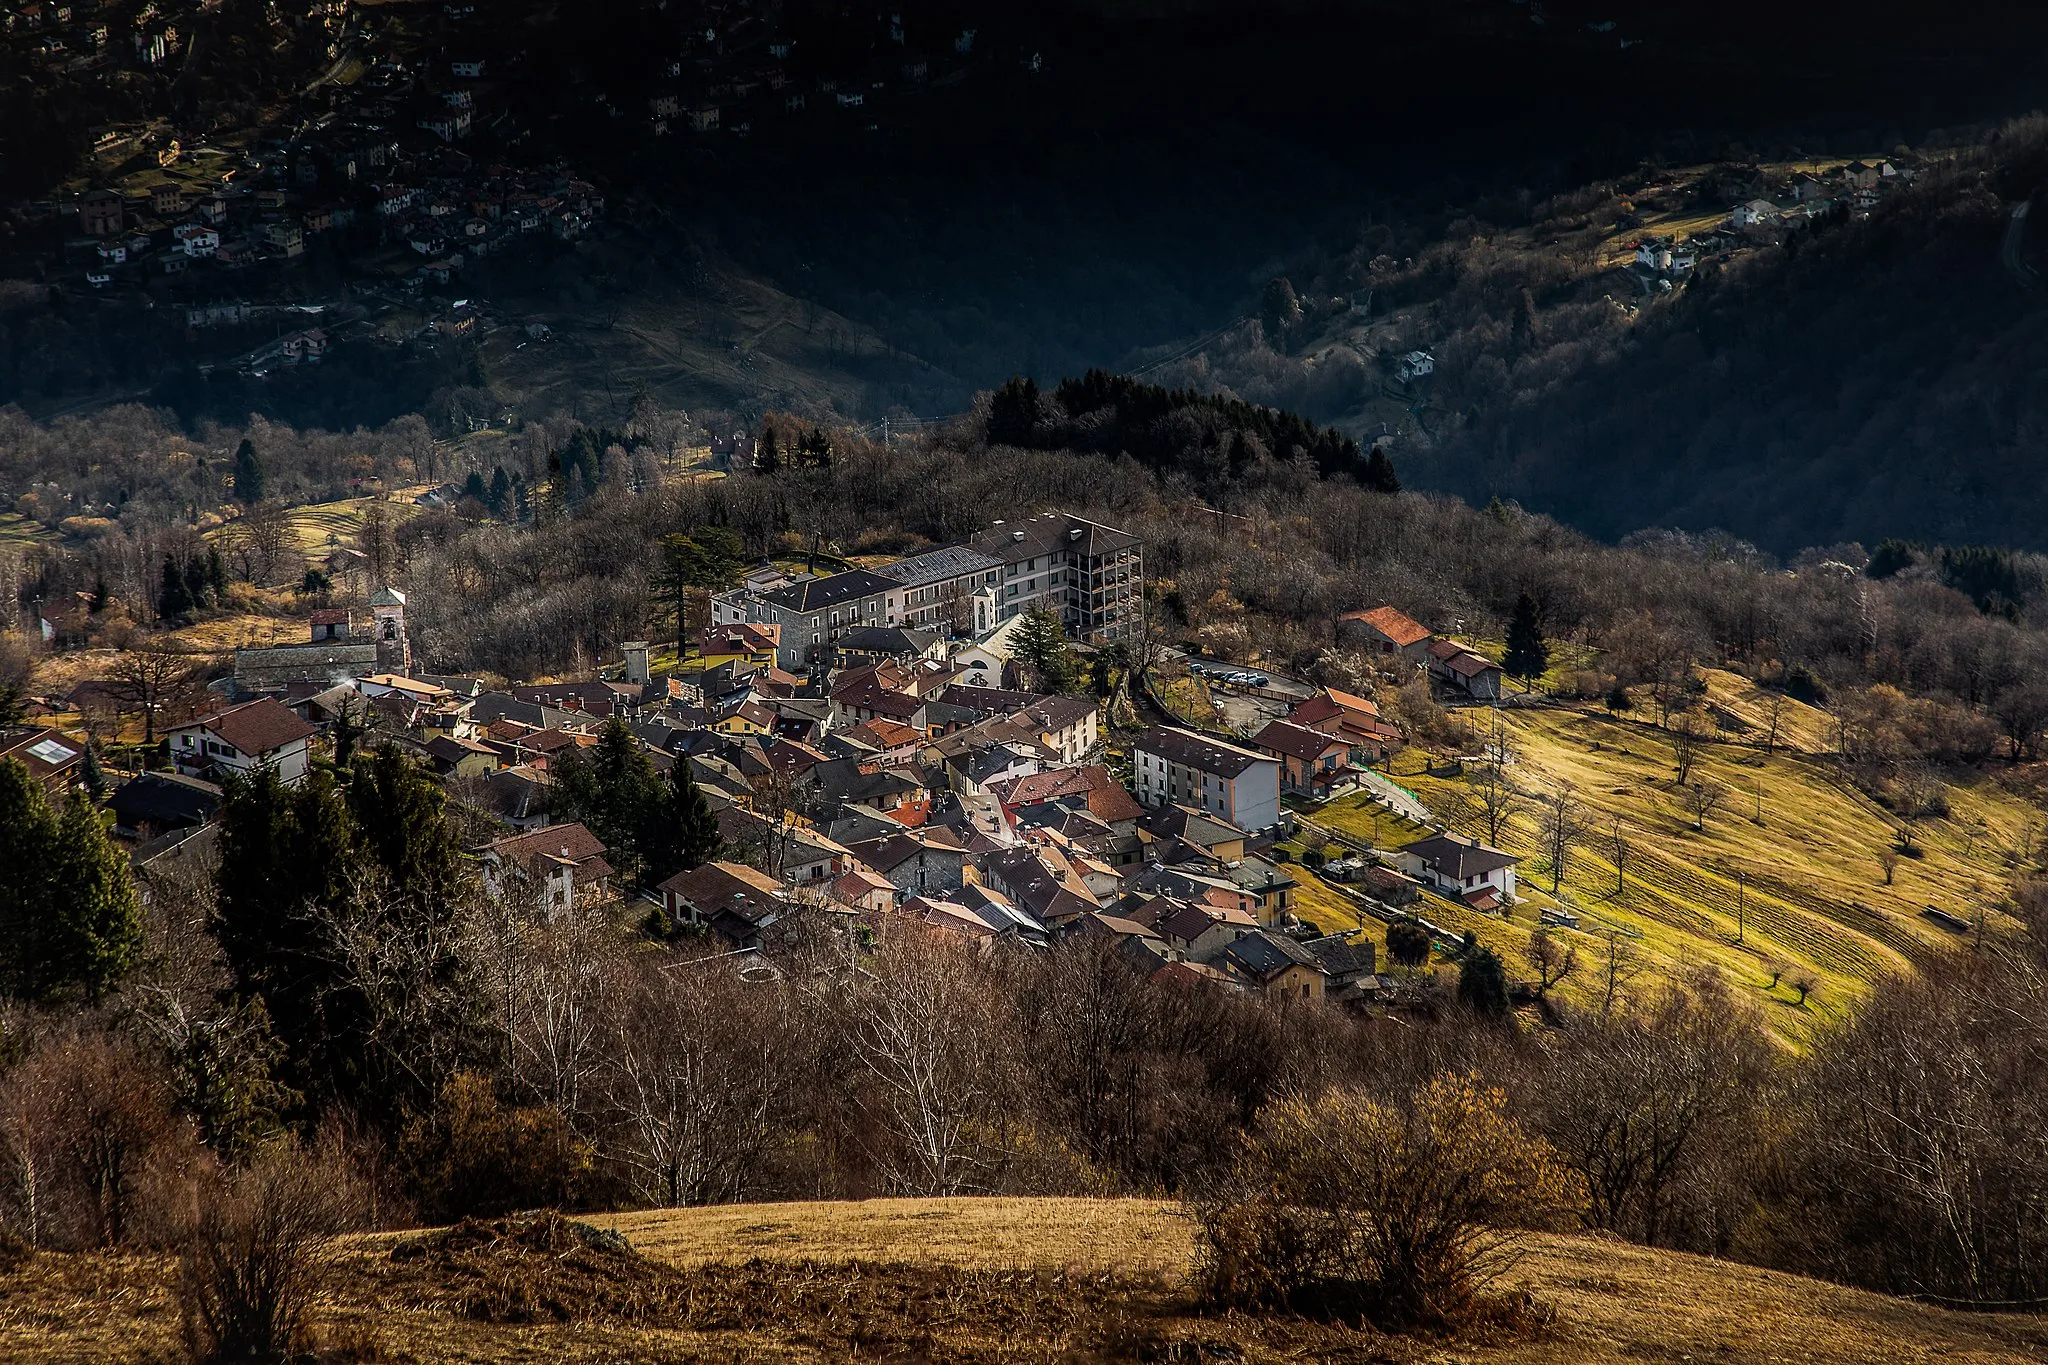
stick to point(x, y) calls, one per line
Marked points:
point(250, 481)
point(195, 581)
point(683, 832)
point(91, 775)
point(401, 823)
point(1379, 472)
point(768, 454)
point(95, 934)
point(70, 920)
point(286, 855)
point(1041, 643)
point(101, 595)
point(24, 889)
point(173, 598)
point(612, 790)
point(1527, 656)
point(501, 488)
point(216, 575)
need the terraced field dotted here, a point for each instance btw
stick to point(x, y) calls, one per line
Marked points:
point(1784, 887)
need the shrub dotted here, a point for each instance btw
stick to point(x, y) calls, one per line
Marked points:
point(251, 1268)
point(477, 1156)
point(1396, 1215)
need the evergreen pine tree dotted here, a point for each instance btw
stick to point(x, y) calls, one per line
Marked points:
point(216, 575)
point(1483, 983)
point(501, 488)
point(473, 486)
point(101, 595)
point(25, 890)
point(250, 481)
point(612, 790)
point(401, 823)
point(682, 832)
point(173, 598)
point(286, 855)
point(1041, 644)
point(1379, 472)
point(768, 454)
point(91, 775)
point(1013, 413)
point(95, 934)
point(195, 581)
point(1527, 656)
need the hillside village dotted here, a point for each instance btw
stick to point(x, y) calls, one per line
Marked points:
point(875, 741)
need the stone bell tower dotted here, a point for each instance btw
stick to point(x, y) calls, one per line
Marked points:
point(394, 652)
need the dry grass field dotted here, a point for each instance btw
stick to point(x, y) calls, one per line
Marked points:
point(959, 1280)
point(1785, 884)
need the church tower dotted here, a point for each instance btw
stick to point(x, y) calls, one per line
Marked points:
point(394, 652)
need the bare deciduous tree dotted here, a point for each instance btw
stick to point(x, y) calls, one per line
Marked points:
point(1494, 797)
point(1702, 798)
point(1552, 961)
point(1620, 964)
point(701, 1081)
point(1618, 850)
point(1686, 734)
point(924, 1029)
point(1564, 823)
point(150, 676)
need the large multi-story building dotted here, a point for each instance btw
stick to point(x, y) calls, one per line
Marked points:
point(813, 612)
point(1181, 768)
point(1092, 575)
point(951, 590)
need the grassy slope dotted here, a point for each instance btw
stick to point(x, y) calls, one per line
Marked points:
point(1102, 1281)
point(1815, 899)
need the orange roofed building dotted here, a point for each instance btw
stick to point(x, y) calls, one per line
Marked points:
point(1388, 631)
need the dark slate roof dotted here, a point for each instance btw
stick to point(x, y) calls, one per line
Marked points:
point(1264, 954)
point(1191, 750)
point(1342, 958)
point(936, 566)
point(1050, 532)
point(894, 641)
point(989, 701)
point(167, 800)
point(816, 594)
point(1457, 858)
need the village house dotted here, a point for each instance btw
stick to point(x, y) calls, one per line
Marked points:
point(1755, 213)
point(1464, 870)
point(556, 866)
point(1474, 675)
point(1387, 632)
point(242, 740)
point(154, 804)
point(1273, 964)
point(1351, 718)
point(734, 901)
point(1175, 766)
point(1310, 761)
point(51, 757)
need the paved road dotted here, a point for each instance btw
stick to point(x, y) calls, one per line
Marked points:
point(1394, 797)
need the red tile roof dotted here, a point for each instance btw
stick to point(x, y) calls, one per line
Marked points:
point(257, 727)
point(1393, 623)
